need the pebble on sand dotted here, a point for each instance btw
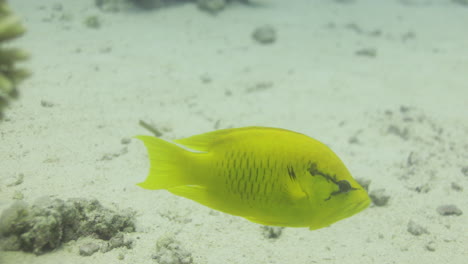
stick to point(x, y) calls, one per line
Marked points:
point(449, 209)
point(379, 197)
point(416, 229)
point(264, 34)
point(211, 6)
point(89, 249)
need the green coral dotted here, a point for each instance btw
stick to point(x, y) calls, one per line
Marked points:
point(10, 75)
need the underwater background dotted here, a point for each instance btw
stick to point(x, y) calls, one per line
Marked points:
point(383, 83)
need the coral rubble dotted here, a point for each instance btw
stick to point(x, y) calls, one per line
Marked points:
point(48, 223)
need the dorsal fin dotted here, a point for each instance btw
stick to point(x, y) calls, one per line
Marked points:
point(204, 142)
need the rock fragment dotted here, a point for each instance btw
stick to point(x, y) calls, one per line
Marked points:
point(456, 187)
point(169, 251)
point(430, 246)
point(416, 229)
point(89, 249)
point(264, 35)
point(49, 223)
point(464, 171)
point(211, 6)
point(379, 197)
point(117, 241)
point(272, 232)
point(366, 52)
point(449, 209)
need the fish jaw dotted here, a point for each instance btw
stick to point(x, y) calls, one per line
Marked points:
point(333, 216)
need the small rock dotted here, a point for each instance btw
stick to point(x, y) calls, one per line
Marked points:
point(205, 78)
point(110, 156)
point(260, 86)
point(272, 231)
point(455, 186)
point(464, 171)
point(120, 241)
point(449, 209)
point(92, 22)
point(404, 109)
point(107, 156)
point(416, 229)
point(354, 27)
point(408, 35)
point(367, 52)
point(364, 183)
point(89, 249)
point(403, 133)
point(45, 103)
point(430, 246)
point(211, 6)
point(264, 34)
point(105, 247)
point(425, 188)
point(413, 159)
point(125, 141)
point(117, 241)
point(378, 197)
point(169, 251)
point(353, 140)
point(106, 49)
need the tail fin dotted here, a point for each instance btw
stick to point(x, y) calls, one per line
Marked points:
point(168, 164)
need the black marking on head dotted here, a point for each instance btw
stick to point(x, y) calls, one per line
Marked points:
point(343, 186)
point(291, 172)
point(314, 172)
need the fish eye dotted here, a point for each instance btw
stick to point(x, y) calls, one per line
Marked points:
point(344, 186)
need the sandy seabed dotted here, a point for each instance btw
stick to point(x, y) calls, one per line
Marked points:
point(383, 83)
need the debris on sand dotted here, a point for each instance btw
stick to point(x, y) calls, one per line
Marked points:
point(49, 223)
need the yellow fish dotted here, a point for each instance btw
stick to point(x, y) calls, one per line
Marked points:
point(269, 176)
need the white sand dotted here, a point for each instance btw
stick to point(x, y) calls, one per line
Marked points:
point(148, 65)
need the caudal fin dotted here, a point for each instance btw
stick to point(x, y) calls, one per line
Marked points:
point(168, 164)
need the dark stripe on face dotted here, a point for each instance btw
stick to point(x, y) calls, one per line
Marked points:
point(291, 172)
point(344, 186)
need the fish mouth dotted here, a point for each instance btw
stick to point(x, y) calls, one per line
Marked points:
point(338, 215)
point(359, 206)
point(364, 204)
